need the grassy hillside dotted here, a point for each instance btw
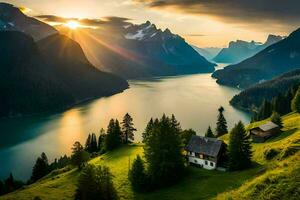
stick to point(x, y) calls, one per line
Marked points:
point(266, 180)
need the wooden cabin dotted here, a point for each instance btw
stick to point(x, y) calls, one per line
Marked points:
point(264, 132)
point(204, 152)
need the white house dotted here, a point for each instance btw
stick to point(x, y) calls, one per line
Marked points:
point(204, 152)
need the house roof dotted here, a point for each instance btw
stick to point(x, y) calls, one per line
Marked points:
point(204, 145)
point(268, 126)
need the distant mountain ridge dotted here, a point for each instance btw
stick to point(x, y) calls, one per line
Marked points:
point(273, 61)
point(136, 51)
point(209, 52)
point(12, 19)
point(240, 50)
point(48, 75)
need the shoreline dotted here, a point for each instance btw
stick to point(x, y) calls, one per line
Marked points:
point(64, 108)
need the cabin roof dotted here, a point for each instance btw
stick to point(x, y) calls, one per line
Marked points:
point(204, 145)
point(268, 126)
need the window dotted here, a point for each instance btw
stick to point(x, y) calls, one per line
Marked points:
point(206, 163)
point(211, 164)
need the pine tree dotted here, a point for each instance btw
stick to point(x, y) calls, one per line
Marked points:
point(266, 110)
point(175, 124)
point(101, 140)
point(79, 155)
point(88, 142)
point(296, 102)
point(95, 183)
point(137, 175)
point(113, 137)
point(127, 128)
point(94, 145)
point(221, 128)
point(163, 153)
point(209, 133)
point(9, 184)
point(276, 118)
point(148, 129)
point(41, 168)
point(239, 148)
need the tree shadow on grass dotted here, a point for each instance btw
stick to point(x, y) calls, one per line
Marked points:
point(282, 135)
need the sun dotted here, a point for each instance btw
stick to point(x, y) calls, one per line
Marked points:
point(72, 25)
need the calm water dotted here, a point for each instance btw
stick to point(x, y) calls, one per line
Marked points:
point(194, 99)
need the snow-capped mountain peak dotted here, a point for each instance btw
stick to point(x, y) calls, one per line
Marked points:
point(147, 32)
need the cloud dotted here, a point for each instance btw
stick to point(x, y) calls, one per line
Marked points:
point(111, 20)
point(235, 11)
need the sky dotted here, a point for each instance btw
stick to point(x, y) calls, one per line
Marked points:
point(204, 23)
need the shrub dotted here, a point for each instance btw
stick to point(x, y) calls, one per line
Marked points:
point(95, 183)
point(270, 153)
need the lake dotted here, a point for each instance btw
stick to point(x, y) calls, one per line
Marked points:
point(194, 99)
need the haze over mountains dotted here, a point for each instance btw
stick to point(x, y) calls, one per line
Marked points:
point(44, 75)
point(135, 51)
point(209, 53)
point(11, 19)
point(240, 50)
point(274, 60)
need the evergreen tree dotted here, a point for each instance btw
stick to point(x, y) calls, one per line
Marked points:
point(175, 124)
point(113, 137)
point(94, 145)
point(127, 128)
point(266, 110)
point(147, 130)
point(9, 184)
point(137, 175)
point(163, 153)
point(276, 118)
point(296, 102)
point(88, 142)
point(221, 128)
point(186, 136)
point(209, 133)
point(95, 183)
point(101, 140)
point(288, 99)
point(79, 155)
point(239, 148)
point(41, 168)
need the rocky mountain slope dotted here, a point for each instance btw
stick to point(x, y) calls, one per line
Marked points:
point(12, 19)
point(240, 50)
point(273, 61)
point(48, 75)
point(135, 51)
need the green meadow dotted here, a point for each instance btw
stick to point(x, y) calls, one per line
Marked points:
point(275, 178)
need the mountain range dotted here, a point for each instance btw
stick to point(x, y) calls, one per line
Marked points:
point(209, 52)
point(48, 75)
point(42, 70)
point(274, 60)
point(11, 19)
point(240, 50)
point(136, 51)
